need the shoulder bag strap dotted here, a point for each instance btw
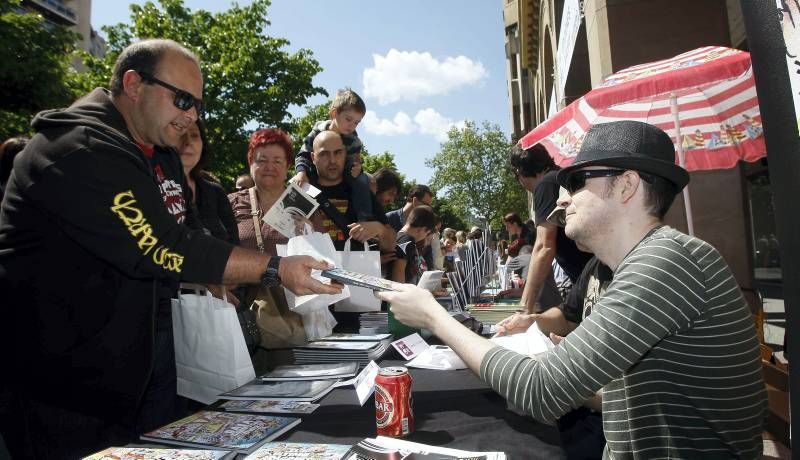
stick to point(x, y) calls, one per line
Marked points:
point(255, 212)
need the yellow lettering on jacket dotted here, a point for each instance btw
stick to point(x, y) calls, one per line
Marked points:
point(133, 219)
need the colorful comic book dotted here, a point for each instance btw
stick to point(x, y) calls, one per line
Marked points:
point(270, 406)
point(149, 453)
point(298, 451)
point(243, 433)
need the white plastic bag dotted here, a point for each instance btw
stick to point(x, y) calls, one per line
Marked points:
point(367, 262)
point(210, 352)
point(317, 319)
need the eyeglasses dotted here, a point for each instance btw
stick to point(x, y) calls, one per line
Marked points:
point(577, 180)
point(183, 99)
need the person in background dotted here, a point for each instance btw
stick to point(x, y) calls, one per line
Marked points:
point(8, 151)
point(346, 111)
point(516, 229)
point(536, 173)
point(410, 264)
point(461, 245)
point(269, 154)
point(205, 193)
point(244, 182)
point(387, 186)
point(502, 252)
point(418, 195)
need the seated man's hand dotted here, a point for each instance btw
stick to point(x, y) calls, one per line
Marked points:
point(387, 257)
point(300, 178)
point(295, 274)
point(412, 305)
point(516, 323)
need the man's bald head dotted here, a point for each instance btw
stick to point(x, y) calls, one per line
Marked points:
point(329, 157)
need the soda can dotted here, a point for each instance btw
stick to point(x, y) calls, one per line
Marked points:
point(394, 415)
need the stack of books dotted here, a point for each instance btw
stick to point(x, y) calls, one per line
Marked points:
point(242, 433)
point(491, 312)
point(374, 323)
point(296, 390)
point(332, 351)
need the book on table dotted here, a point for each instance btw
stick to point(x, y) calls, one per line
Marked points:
point(385, 448)
point(298, 450)
point(311, 372)
point(150, 453)
point(348, 337)
point(269, 406)
point(295, 390)
point(243, 433)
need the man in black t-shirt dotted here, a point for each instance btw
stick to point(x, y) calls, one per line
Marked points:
point(410, 263)
point(536, 172)
point(336, 214)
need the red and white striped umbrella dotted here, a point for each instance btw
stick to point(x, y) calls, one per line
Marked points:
point(717, 118)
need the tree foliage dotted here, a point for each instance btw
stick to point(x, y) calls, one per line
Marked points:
point(249, 77)
point(471, 171)
point(34, 68)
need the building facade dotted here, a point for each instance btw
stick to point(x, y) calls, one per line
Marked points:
point(73, 14)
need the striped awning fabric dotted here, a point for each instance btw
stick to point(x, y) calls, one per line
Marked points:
point(717, 107)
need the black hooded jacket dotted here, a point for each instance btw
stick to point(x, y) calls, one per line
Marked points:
point(85, 241)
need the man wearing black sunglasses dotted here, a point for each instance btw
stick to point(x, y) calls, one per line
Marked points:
point(670, 344)
point(90, 243)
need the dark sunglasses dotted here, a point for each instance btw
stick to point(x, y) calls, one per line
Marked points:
point(183, 99)
point(577, 180)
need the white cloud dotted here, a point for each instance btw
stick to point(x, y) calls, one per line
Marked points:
point(432, 122)
point(400, 124)
point(426, 121)
point(410, 75)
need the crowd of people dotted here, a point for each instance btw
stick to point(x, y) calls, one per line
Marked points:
point(109, 207)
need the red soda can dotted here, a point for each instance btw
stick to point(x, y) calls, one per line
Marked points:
point(393, 413)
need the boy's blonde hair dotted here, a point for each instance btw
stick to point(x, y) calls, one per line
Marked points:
point(347, 99)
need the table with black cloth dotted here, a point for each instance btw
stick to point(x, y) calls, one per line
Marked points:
point(452, 409)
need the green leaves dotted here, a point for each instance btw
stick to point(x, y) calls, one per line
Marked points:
point(471, 171)
point(250, 79)
point(34, 68)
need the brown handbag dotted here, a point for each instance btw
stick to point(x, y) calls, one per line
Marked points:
point(280, 327)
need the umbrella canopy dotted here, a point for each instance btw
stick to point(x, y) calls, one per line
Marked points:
point(718, 121)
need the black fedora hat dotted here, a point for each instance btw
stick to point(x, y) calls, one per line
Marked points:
point(629, 145)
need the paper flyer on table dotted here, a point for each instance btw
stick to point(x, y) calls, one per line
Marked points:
point(409, 347)
point(438, 357)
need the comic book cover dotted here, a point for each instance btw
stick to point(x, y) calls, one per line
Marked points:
point(298, 451)
point(149, 453)
point(226, 430)
point(271, 406)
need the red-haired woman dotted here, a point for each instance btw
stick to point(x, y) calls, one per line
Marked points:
point(268, 156)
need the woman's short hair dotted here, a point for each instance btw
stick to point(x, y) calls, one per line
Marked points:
point(269, 136)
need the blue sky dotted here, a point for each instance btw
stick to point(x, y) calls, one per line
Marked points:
point(421, 66)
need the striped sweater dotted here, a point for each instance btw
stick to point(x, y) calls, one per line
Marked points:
point(673, 346)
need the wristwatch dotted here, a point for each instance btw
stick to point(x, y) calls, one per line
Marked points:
point(270, 276)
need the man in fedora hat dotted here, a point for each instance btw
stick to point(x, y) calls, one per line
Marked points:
point(670, 343)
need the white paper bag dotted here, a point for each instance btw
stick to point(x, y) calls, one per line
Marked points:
point(210, 352)
point(317, 319)
point(367, 262)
